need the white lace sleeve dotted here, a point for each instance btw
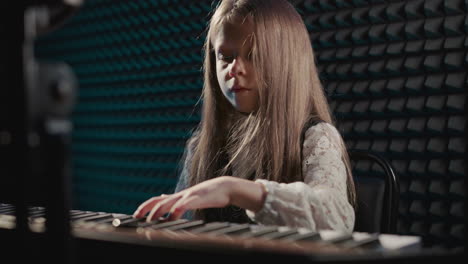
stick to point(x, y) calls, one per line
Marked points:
point(321, 201)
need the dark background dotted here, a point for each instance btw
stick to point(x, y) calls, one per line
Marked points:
point(394, 73)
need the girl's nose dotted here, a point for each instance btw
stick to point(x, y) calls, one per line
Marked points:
point(237, 68)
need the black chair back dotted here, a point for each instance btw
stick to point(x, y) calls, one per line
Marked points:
point(377, 192)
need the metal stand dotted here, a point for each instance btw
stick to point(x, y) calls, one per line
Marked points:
point(51, 88)
point(35, 136)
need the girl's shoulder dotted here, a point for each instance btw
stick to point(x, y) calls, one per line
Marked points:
point(320, 128)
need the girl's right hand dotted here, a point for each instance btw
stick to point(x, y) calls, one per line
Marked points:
point(214, 193)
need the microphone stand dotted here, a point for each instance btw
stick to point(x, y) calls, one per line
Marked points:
point(50, 91)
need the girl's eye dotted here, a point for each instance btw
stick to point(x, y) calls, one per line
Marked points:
point(224, 58)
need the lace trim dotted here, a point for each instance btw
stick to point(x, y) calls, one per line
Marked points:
point(320, 202)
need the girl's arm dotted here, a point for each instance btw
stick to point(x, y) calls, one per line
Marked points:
point(321, 201)
point(215, 193)
point(247, 194)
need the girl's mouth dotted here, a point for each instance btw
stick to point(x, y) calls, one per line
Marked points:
point(238, 89)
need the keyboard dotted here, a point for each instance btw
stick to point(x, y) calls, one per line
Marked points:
point(227, 238)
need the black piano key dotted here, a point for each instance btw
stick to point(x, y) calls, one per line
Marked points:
point(6, 206)
point(36, 209)
point(37, 214)
point(137, 222)
point(143, 223)
point(108, 220)
point(8, 211)
point(308, 236)
point(279, 234)
point(94, 218)
point(233, 229)
point(79, 217)
point(169, 223)
point(146, 224)
point(209, 227)
point(257, 231)
point(76, 215)
point(188, 225)
point(127, 221)
point(76, 212)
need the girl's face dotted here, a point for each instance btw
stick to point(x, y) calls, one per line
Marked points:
point(234, 69)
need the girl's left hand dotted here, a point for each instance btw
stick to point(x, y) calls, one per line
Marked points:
point(214, 193)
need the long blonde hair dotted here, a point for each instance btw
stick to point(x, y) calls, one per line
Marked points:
point(266, 143)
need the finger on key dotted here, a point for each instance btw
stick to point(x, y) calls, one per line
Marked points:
point(161, 208)
point(147, 206)
point(180, 207)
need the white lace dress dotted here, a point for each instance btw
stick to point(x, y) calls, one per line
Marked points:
point(318, 203)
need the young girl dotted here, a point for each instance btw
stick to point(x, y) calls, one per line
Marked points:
point(266, 150)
